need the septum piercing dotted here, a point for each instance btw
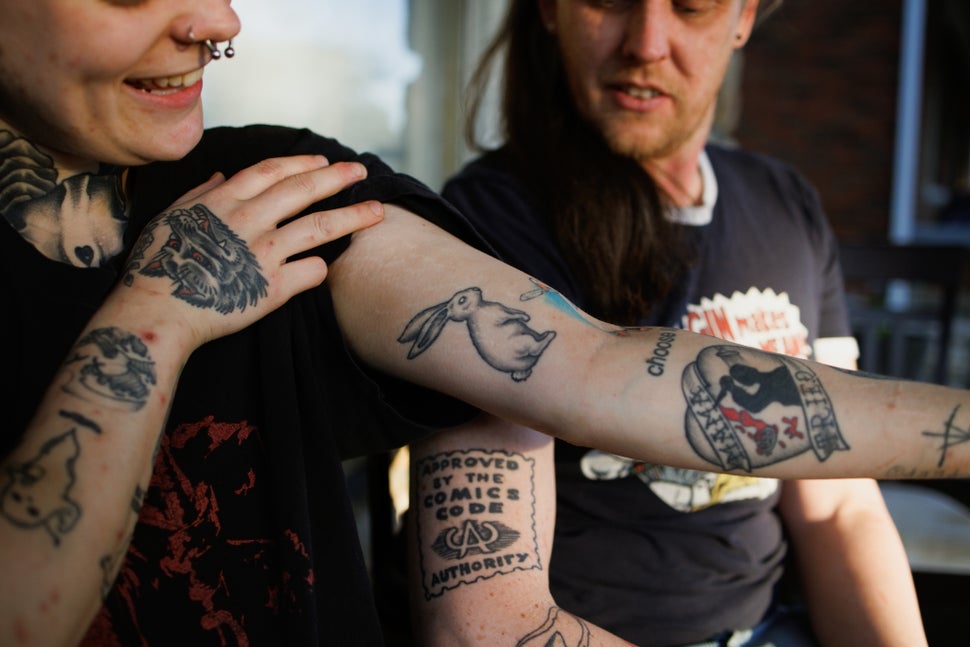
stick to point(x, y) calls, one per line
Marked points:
point(230, 51)
point(214, 50)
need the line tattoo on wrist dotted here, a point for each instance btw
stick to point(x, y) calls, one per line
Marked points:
point(209, 265)
point(949, 436)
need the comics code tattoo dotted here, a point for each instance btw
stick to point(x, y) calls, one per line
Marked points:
point(209, 265)
point(113, 365)
point(463, 496)
point(748, 408)
point(38, 494)
point(498, 333)
point(950, 436)
point(560, 629)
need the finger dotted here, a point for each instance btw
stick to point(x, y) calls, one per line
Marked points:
point(214, 181)
point(301, 275)
point(253, 180)
point(314, 229)
point(295, 193)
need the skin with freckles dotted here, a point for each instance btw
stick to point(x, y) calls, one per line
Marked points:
point(87, 103)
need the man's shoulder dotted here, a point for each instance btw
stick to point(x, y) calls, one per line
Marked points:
point(734, 166)
point(741, 160)
point(493, 166)
point(492, 186)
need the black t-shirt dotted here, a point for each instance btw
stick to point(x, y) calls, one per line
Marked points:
point(246, 535)
point(663, 556)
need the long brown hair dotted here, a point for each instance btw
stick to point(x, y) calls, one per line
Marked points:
point(605, 210)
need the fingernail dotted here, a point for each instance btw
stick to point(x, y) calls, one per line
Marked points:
point(359, 170)
point(377, 208)
point(323, 161)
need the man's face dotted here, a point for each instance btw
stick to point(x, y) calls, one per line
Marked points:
point(646, 73)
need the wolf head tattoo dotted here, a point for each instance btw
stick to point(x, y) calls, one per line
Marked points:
point(210, 266)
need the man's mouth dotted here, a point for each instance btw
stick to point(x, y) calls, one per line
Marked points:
point(638, 92)
point(167, 84)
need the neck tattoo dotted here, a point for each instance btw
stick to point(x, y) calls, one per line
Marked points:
point(79, 219)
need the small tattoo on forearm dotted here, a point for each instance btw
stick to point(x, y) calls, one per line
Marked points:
point(661, 351)
point(113, 365)
point(464, 498)
point(560, 629)
point(748, 409)
point(950, 436)
point(567, 307)
point(209, 265)
point(111, 562)
point(498, 333)
point(38, 494)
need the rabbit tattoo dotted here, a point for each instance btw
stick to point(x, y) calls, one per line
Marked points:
point(499, 334)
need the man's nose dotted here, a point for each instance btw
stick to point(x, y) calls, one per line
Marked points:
point(647, 36)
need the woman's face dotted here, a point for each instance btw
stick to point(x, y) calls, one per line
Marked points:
point(115, 81)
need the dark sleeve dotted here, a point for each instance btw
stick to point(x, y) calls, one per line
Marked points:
point(507, 215)
point(398, 411)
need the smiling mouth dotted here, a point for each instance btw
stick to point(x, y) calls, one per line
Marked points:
point(640, 92)
point(167, 84)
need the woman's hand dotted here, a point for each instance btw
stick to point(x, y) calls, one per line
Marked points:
point(216, 260)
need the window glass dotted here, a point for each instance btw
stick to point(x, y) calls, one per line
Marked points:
point(339, 68)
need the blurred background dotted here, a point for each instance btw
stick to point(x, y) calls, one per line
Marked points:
point(869, 99)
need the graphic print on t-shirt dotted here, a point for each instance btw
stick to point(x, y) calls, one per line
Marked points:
point(180, 535)
point(761, 319)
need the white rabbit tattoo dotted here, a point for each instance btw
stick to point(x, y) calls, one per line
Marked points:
point(498, 333)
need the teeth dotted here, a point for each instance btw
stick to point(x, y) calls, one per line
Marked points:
point(170, 82)
point(641, 93)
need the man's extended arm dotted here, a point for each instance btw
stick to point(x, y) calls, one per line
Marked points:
point(853, 568)
point(415, 302)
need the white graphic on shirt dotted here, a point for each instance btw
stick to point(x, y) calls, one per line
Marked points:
point(756, 318)
point(683, 490)
point(764, 320)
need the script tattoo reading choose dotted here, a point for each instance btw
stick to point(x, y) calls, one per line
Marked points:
point(498, 333)
point(748, 408)
point(464, 495)
point(209, 265)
